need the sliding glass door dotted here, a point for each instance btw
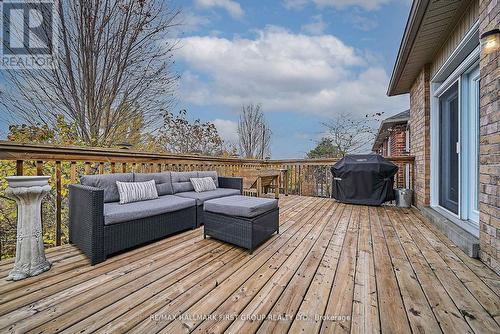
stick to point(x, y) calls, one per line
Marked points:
point(454, 122)
point(448, 149)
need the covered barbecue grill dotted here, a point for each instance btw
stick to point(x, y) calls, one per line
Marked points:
point(363, 179)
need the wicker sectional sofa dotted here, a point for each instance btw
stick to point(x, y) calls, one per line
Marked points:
point(100, 226)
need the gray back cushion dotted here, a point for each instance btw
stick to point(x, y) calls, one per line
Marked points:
point(107, 182)
point(162, 180)
point(211, 174)
point(181, 181)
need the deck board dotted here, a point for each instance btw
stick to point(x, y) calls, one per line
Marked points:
point(393, 318)
point(378, 269)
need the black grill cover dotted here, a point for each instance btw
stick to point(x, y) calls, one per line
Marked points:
point(363, 179)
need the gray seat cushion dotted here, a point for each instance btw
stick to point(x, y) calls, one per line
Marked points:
point(181, 181)
point(206, 195)
point(107, 182)
point(240, 206)
point(117, 213)
point(163, 181)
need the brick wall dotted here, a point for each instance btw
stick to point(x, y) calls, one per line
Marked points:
point(397, 145)
point(398, 148)
point(489, 147)
point(398, 140)
point(419, 126)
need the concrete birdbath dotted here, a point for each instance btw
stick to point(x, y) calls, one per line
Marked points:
point(28, 192)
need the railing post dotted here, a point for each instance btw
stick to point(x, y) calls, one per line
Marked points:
point(285, 180)
point(300, 180)
point(259, 186)
point(19, 168)
point(39, 168)
point(73, 172)
point(277, 187)
point(58, 203)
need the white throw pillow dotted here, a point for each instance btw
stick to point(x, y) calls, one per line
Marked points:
point(201, 184)
point(136, 191)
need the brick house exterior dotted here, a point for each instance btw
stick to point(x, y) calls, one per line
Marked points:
point(395, 143)
point(392, 139)
point(448, 76)
point(398, 143)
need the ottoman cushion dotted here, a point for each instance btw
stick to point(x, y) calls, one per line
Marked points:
point(240, 206)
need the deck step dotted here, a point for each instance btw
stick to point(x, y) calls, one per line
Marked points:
point(463, 239)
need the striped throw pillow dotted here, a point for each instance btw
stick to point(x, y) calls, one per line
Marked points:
point(201, 184)
point(136, 191)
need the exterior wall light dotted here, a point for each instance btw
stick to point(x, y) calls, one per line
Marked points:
point(490, 41)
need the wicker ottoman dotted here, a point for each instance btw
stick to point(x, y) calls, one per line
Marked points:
point(241, 220)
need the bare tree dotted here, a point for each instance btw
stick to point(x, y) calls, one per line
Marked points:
point(349, 134)
point(113, 65)
point(254, 133)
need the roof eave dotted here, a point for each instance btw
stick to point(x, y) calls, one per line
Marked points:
point(412, 26)
point(382, 130)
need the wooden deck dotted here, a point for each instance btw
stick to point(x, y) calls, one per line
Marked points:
point(333, 268)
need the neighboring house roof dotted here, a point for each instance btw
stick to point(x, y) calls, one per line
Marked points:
point(387, 124)
point(429, 24)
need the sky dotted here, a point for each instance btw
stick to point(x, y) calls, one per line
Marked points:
point(304, 61)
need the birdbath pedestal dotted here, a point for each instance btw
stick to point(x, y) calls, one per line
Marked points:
point(28, 192)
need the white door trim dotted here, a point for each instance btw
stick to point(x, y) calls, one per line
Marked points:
point(470, 145)
point(471, 60)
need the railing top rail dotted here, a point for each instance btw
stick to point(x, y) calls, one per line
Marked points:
point(45, 152)
point(327, 161)
point(25, 151)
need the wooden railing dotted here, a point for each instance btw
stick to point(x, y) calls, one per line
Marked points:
point(66, 165)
